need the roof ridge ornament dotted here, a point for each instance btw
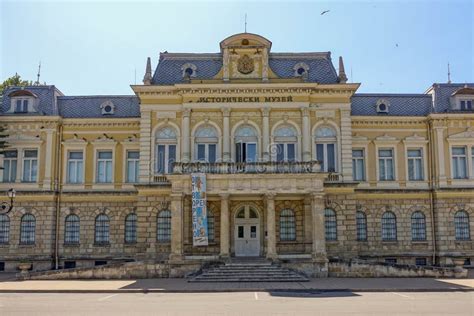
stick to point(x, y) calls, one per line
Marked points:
point(342, 73)
point(147, 77)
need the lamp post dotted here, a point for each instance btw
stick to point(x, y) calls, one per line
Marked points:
point(6, 207)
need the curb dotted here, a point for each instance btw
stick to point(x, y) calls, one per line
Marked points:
point(282, 290)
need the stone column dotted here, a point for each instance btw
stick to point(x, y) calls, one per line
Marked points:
point(225, 227)
point(306, 134)
point(319, 236)
point(266, 134)
point(185, 152)
point(226, 134)
point(271, 229)
point(177, 218)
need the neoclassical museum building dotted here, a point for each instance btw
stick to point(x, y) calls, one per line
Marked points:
point(298, 167)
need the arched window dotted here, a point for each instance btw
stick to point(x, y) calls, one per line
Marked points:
point(287, 225)
point(206, 140)
point(4, 229)
point(461, 226)
point(326, 148)
point(102, 229)
point(163, 232)
point(71, 229)
point(361, 225)
point(330, 224)
point(27, 229)
point(210, 226)
point(285, 138)
point(166, 142)
point(246, 140)
point(418, 226)
point(389, 226)
point(131, 228)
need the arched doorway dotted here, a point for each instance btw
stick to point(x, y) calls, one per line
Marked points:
point(247, 232)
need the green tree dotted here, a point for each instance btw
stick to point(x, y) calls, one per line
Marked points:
point(14, 81)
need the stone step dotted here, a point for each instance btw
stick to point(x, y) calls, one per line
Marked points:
point(249, 272)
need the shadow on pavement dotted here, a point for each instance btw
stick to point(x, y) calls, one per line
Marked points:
point(313, 294)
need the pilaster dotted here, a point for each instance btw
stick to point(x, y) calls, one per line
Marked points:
point(306, 136)
point(346, 145)
point(271, 228)
point(225, 226)
point(186, 154)
point(146, 145)
point(265, 133)
point(176, 254)
point(226, 134)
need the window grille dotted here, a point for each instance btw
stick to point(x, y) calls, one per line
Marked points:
point(27, 229)
point(389, 227)
point(102, 226)
point(330, 223)
point(287, 225)
point(361, 223)
point(210, 226)
point(461, 226)
point(72, 229)
point(164, 226)
point(4, 229)
point(131, 228)
point(418, 226)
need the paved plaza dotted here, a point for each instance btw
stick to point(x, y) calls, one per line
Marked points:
point(243, 303)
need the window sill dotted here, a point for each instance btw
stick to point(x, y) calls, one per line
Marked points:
point(390, 242)
point(75, 245)
point(420, 242)
point(288, 242)
point(130, 244)
point(101, 244)
point(164, 243)
point(27, 245)
point(462, 241)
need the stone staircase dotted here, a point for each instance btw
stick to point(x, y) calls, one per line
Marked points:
point(248, 271)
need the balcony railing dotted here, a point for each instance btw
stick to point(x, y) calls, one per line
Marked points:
point(247, 167)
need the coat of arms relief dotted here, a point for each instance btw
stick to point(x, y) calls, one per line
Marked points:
point(245, 66)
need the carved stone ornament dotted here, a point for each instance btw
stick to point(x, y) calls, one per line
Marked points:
point(245, 65)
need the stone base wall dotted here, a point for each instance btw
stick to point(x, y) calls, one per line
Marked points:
point(129, 270)
point(354, 269)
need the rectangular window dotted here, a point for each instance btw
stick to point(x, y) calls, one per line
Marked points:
point(466, 105)
point(358, 167)
point(69, 264)
point(10, 158)
point(246, 152)
point(104, 167)
point(391, 260)
point(133, 161)
point(415, 164)
point(21, 106)
point(206, 152)
point(201, 152)
point(420, 261)
point(326, 155)
point(75, 167)
point(459, 162)
point(30, 165)
point(286, 152)
point(386, 169)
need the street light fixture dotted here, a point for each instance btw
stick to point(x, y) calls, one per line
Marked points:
point(6, 207)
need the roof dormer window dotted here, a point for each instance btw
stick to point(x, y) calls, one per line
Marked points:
point(22, 101)
point(189, 70)
point(466, 105)
point(301, 70)
point(382, 106)
point(21, 105)
point(107, 108)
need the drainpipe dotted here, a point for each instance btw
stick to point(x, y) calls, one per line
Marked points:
point(58, 192)
point(431, 175)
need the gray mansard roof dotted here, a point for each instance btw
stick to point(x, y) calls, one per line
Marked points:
point(398, 104)
point(442, 93)
point(89, 106)
point(47, 99)
point(169, 72)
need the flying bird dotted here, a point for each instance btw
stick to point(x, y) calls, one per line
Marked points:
point(324, 12)
point(396, 45)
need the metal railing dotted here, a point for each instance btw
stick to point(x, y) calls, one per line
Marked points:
point(247, 167)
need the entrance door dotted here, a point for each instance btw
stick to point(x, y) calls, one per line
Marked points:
point(247, 233)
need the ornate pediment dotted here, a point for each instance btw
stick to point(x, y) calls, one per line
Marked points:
point(467, 134)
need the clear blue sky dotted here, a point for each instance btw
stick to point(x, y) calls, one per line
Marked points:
point(92, 47)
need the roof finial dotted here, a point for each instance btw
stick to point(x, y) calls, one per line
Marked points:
point(449, 74)
point(342, 72)
point(245, 29)
point(37, 83)
point(147, 77)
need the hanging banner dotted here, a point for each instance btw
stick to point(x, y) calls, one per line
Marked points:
point(199, 209)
